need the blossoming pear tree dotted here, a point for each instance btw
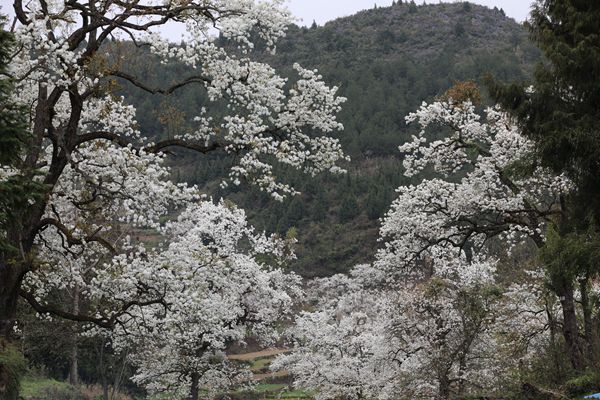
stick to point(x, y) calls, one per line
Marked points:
point(489, 187)
point(444, 323)
point(342, 349)
point(426, 339)
point(103, 179)
point(99, 171)
point(216, 293)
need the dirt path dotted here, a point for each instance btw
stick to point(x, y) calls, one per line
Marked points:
point(261, 354)
point(257, 354)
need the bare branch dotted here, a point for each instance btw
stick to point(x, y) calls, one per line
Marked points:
point(160, 146)
point(68, 234)
point(103, 322)
point(133, 80)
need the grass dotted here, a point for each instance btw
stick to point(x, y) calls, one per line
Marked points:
point(40, 388)
point(260, 364)
point(269, 387)
point(279, 391)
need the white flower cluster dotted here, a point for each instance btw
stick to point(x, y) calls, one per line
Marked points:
point(424, 339)
point(429, 319)
point(341, 350)
point(7, 172)
point(497, 192)
point(159, 268)
point(267, 120)
point(215, 293)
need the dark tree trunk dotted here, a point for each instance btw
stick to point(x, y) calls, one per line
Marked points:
point(554, 333)
point(443, 388)
point(10, 281)
point(105, 393)
point(461, 371)
point(194, 389)
point(570, 326)
point(74, 356)
point(588, 323)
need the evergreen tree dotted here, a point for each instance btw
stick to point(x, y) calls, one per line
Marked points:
point(15, 190)
point(295, 211)
point(349, 208)
point(412, 7)
point(560, 113)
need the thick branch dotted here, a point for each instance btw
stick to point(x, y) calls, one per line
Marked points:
point(113, 137)
point(134, 81)
point(103, 322)
point(21, 16)
point(160, 146)
point(68, 234)
point(106, 323)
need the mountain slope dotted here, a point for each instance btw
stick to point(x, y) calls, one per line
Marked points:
point(386, 61)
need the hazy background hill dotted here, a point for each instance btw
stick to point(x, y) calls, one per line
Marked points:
point(386, 60)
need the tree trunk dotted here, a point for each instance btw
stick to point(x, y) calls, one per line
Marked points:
point(554, 333)
point(443, 388)
point(74, 367)
point(570, 326)
point(10, 281)
point(462, 366)
point(194, 389)
point(105, 393)
point(588, 324)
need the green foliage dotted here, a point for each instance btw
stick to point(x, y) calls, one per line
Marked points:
point(459, 29)
point(15, 193)
point(561, 115)
point(570, 255)
point(584, 384)
point(12, 121)
point(12, 368)
point(412, 7)
point(17, 190)
point(47, 389)
point(349, 209)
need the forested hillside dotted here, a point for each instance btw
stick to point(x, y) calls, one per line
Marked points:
point(386, 61)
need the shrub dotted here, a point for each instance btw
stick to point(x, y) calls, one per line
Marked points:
point(12, 368)
point(583, 385)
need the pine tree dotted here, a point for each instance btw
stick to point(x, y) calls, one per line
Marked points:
point(560, 114)
point(349, 208)
point(15, 190)
point(412, 7)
